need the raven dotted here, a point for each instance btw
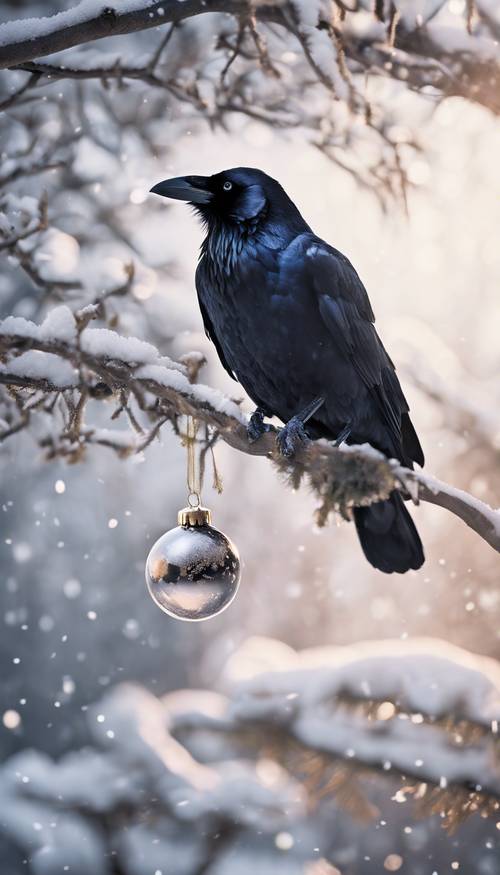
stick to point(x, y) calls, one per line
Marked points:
point(292, 322)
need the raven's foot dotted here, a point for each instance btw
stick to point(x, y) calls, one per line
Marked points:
point(257, 427)
point(343, 435)
point(292, 436)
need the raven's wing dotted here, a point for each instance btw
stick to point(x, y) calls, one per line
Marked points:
point(209, 331)
point(346, 311)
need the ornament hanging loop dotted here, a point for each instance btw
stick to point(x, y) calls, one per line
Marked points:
point(194, 499)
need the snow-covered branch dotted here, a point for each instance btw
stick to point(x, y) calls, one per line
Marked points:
point(387, 705)
point(57, 367)
point(260, 58)
point(193, 776)
point(478, 515)
point(400, 44)
point(24, 40)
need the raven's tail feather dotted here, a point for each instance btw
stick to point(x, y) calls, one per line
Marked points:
point(388, 535)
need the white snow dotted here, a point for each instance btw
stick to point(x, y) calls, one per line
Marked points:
point(58, 326)
point(437, 486)
point(87, 777)
point(88, 58)
point(17, 203)
point(189, 751)
point(192, 356)
point(116, 437)
point(403, 744)
point(308, 11)
point(111, 346)
point(172, 379)
point(158, 843)
point(39, 365)
point(319, 42)
point(141, 732)
point(102, 343)
point(364, 449)
point(31, 28)
point(308, 695)
point(428, 678)
point(456, 40)
point(164, 376)
point(325, 56)
point(17, 326)
point(106, 344)
point(424, 676)
point(217, 400)
point(366, 26)
point(75, 845)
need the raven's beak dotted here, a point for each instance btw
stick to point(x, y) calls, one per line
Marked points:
point(185, 188)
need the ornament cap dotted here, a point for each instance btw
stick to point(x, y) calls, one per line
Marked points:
point(194, 516)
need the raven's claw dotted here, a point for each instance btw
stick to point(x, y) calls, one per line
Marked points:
point(291, 437)
point(257, 427)
point(344, 434)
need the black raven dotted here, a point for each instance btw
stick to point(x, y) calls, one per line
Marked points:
point(292, 322)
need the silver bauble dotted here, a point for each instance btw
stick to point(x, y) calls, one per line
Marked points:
point(193, 571)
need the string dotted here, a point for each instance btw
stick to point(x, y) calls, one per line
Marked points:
point(195, 474)
point(193, 470)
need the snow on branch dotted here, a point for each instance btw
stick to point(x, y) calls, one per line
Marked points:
point(54, 369)
point(433, 52)
point(287, 63)
point(91, 20)
point(195, 775)
point(423, 708)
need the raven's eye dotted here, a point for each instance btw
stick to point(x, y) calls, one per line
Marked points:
point(227, 185)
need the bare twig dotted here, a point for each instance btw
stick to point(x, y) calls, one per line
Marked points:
point(14, 98)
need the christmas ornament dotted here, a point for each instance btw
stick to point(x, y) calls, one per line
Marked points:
point(193, 571)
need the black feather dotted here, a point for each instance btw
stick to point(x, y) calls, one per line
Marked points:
point(388, 536)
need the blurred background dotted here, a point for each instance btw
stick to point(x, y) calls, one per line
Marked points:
point(76, 618)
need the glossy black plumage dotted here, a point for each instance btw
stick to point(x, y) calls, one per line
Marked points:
point(291, 321)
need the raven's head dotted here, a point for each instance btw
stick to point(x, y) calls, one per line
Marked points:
point(241, 196)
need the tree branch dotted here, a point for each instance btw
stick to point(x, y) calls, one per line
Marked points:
point(337, 48)
point(66, 357)
point(418, 55)
point(76, 26)
point(478, 515)
point(356, 705)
